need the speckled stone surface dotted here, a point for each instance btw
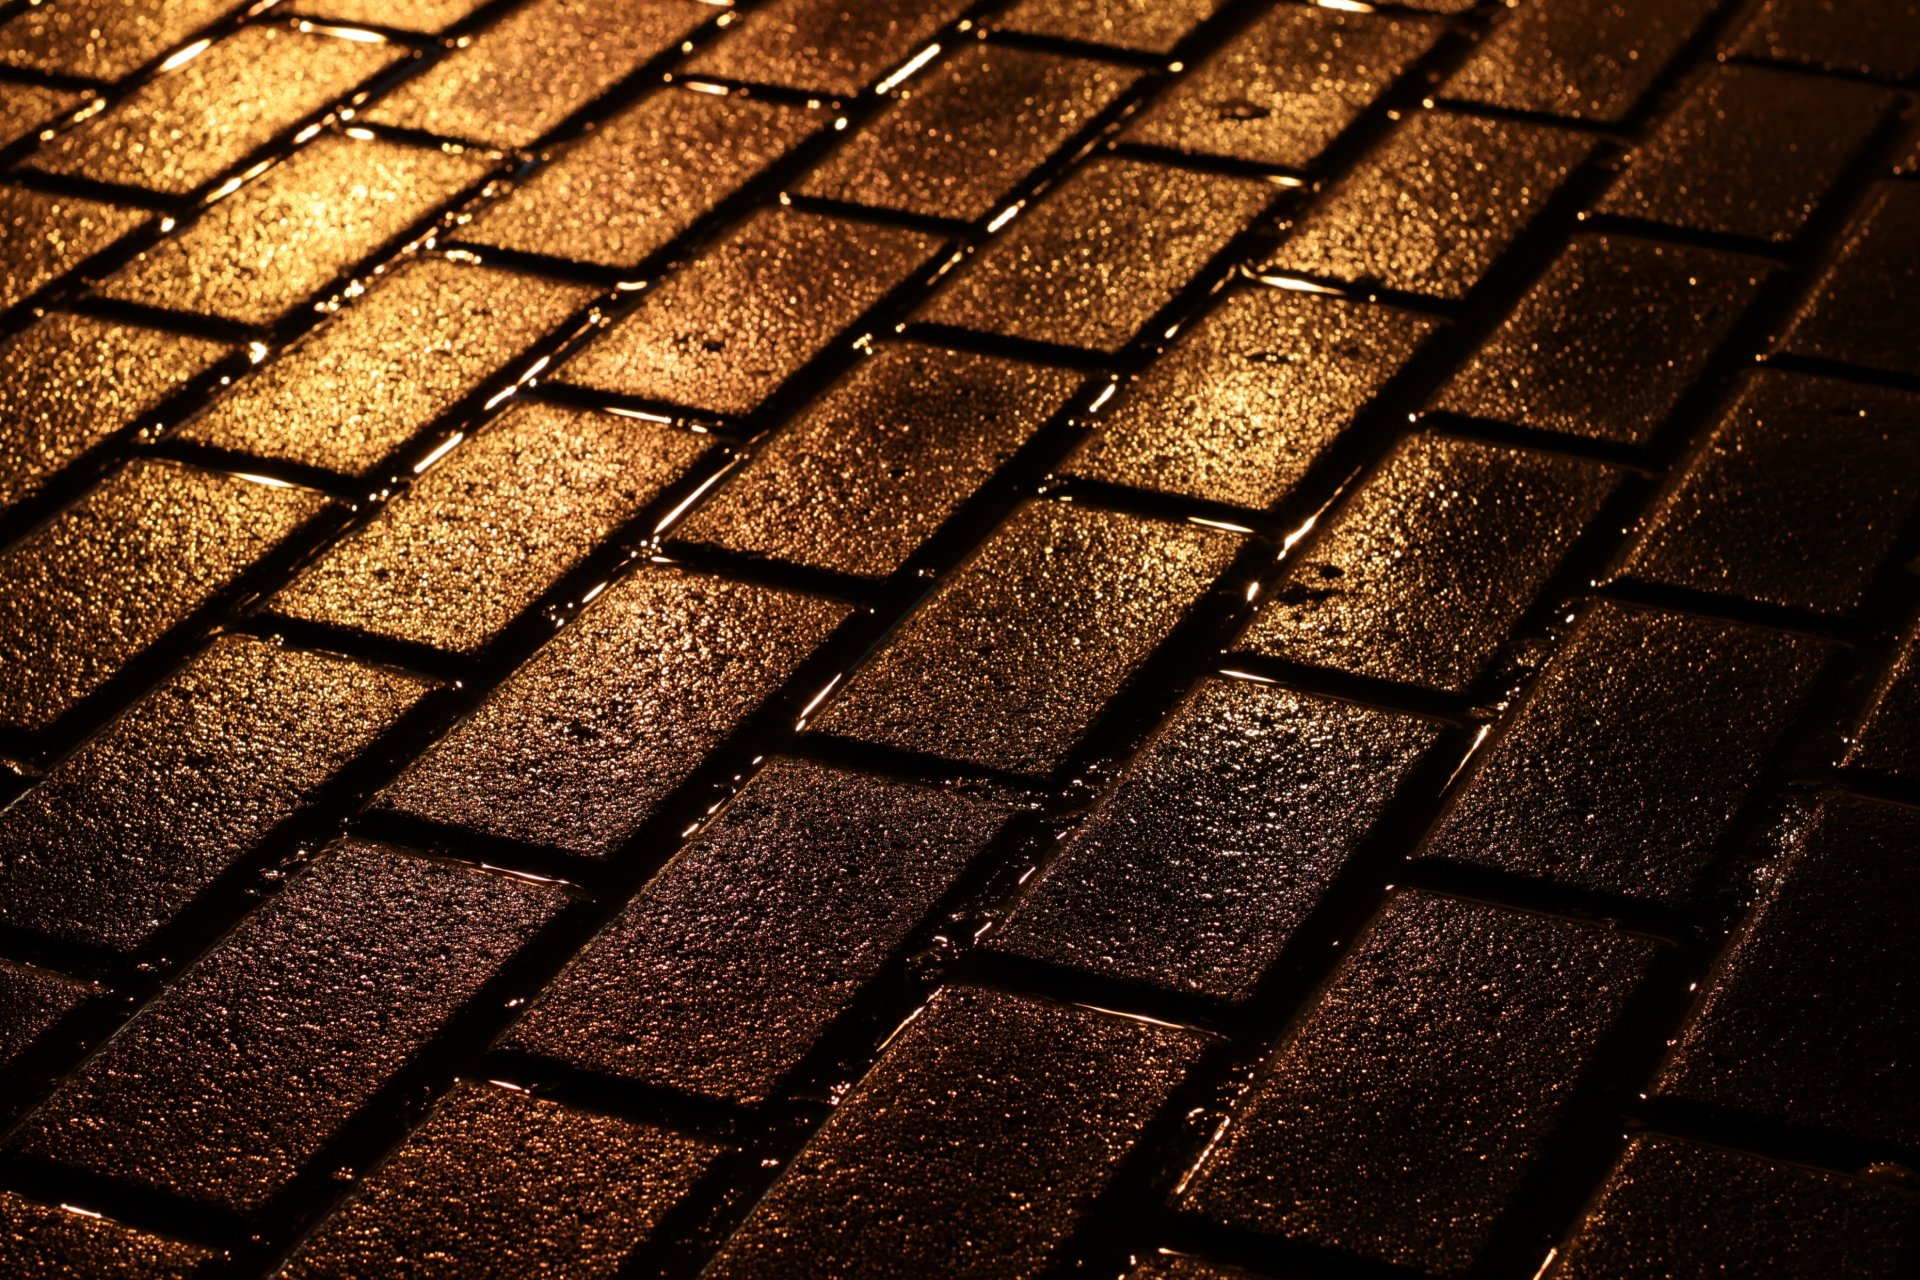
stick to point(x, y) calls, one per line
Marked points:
point(45, 1242)
point(1861, 314)
point(837, 49)
point(1151, 25)
point(1586, 59)
point(104, 38)
point(49, 235)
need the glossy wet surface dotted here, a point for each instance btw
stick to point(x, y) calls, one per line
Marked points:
point(1182, 639)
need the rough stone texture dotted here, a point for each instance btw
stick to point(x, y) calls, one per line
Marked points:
point(31, 1001)
point(864, 475)
point(119, 569)
point(48, 1242)
point(1195, 870)
point(224, 1087)
point(24, 107)
point(1008, 663)
point(1889, 735)
point(186, 128)
point(282, 238)
point(1398, 1117)
point(415, 15)
point(1862, 312)
point(1589, 59)
point(1151, 25)
point(618, 708)
point(1878, 39)
point(48, 235)
point(1422, 575)
point(495, 1182)
point(825, 45)
point(104, 38)
point(730, 963)
point(127, 830)
point(969, 1148)
point(1247, 398)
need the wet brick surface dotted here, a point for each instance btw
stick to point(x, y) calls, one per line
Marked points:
point(1183, 639)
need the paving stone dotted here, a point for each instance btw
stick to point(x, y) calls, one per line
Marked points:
point(31, 1001)
point(1247, 398)
point(25, 107)
point(527, 72)
point(1013, 657)
point(1152, 25)
point(1608, 340)
point(486, 530)
point(1422, 575)
point(1284, 88)
point(727, 968)
point(630, 187)
point(827, 45)
point(1407, 1106)
point(724, 331)
point(499, 1183)
point(104, 39)
point(1881, 38)
point(130, 828)
point(76, 382)
point(1588, 59)
point(281, 239)
point(1807, 1017)
point(862, 477)
point(582, 742)
point(49, 235)
point(1749, 152)
point(352, 392)
point(1889, 735)
point(968, 130)
point(1197, 868)
point(1674, 1210)
point(1862, 311)
point(1797, 498)
point(1099, 255)
point(44, 1242)
point(429, 16)
point(970, 1148)
point(1632, 753)
point(1431, 210)
point(237, 1075)
point(183, 129)
point(119, 569)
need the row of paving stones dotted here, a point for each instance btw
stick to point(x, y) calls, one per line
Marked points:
point(1430, 528)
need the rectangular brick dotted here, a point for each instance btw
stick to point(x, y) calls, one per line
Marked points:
point(185, 128)
point(1422, 574)
point(1808, 1017)
point(236, 1076)
point(415, 15)
point(1431, 209)
point(104, 39)
point(728, 328)
point(1876, 39)
point(120, 568)
point(866, 473)
point(1406, 1108)
point(497, 1182)
point(297, 229)
point(31, 1001)
point(1862, 310)
point(970, 1148)
point(1248, 397)
point(1013, 657)
point(25, 107)
point(1608, 340)
point(1675, 1208)
point(1888, 739)
point(484, 531)
point(76, 383)
point(49, 235)
point(581, 743)
point(1632, 753)
point(970, 128)
point(1588, 59)
point(130, 828)
point(727, 968)
point(534, 67)
point(1797, 498)
point(1749, 152)
point(48, 1240)
point(631, 186)
point(1285, 87)
point(1100, 254)
point(827, 45)
point(350, 393)
point(1197, 868)
point(1154, 26)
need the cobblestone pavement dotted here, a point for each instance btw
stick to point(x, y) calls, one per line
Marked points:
point(1168, 638)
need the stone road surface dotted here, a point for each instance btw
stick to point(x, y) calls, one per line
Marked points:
point(1168, 638)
